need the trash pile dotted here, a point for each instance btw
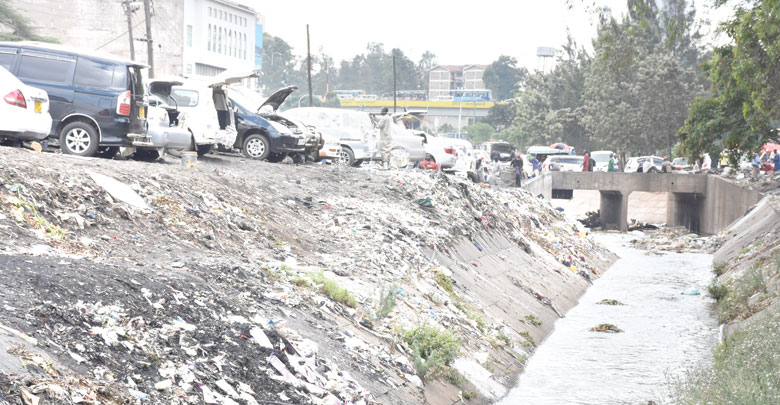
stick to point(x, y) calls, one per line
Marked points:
point(207, 285)
point(592, 219)
point(606, 328)
point(607, 301)
point(677, 240)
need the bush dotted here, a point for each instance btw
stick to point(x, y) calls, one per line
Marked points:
point(717, 291)
point(432, 350)
point(533, 320)
point(332, 289)
point(746, 369)
point(718, 268)
point(386, 302)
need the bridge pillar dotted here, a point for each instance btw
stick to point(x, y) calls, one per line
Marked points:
point(686, 209)
point(614, 210)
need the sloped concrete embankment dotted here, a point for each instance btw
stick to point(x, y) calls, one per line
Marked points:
point(748, 262)
point(278, 282)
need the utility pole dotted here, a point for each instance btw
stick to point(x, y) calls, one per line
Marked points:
point(395, 92)
point(149, 42)
point(129, 12)
point(308, 58)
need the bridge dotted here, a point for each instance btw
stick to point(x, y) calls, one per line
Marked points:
point(704, 204)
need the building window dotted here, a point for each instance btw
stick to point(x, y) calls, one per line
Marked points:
point(244, 46)
point(220, 14)
point(207, 70)
point(209, 42)
point(189, 36)
point(189, 68)
point(219, 39)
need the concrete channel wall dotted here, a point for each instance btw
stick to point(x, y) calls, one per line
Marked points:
point(704, 204)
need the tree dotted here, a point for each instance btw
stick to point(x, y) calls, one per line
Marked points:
point(424, 66)
point(479, 132)
point(18, 25)
point(278, 63)
point(501, 115)
point(502, 77)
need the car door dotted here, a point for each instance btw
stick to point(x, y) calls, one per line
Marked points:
point(9, 57)
point(52, 72)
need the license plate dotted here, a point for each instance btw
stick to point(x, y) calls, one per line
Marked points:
point(301, 141)
point(141, 112)
point(38, 109)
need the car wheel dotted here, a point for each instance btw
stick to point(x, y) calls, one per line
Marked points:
point(276, 157)
point(146, 155)
point(399, 157)
point(79, 138)
point(346, 157)
point(256, 146)
point(315, 156)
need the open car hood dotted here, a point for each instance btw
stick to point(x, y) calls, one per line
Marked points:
point(276, 99)
point(232, 77)
point(162, 87)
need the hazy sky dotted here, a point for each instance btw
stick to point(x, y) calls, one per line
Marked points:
point(458, 32)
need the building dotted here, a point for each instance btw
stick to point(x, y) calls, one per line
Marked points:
point(445, 81)
point(191, 38)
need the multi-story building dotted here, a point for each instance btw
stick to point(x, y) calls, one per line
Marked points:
point(191, 38)
point(444, 79)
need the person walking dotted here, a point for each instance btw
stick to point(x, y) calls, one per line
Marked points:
point(384, 123)
point(586, 162)
point(518, 165)
point(611, 164)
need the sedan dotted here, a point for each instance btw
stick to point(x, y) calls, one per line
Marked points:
point(259, 138)
point(24, 110)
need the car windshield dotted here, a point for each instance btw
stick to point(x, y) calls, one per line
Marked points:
point(571, 160)
point(184, 97)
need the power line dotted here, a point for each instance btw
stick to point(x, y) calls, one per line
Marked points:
point(120, 36)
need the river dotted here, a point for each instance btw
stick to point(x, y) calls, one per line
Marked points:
point(665, 332)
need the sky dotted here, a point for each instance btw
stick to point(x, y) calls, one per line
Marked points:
point(457, 32)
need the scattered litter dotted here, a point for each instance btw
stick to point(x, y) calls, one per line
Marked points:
point(610, 302)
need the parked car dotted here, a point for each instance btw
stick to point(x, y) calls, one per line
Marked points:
point(24, 112)
point(269, 109)
point(166, 131)
point(500, 151)
point(563, 163)
point(441, 150)
point(357, 135)
point(259, 138)
point(635, 164)
point(96, 101)
point(464, 154)
point(681, 163)
point(541, 153)
point(203, 107)
point(602, 159)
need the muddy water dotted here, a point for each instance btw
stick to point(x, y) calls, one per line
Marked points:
point(664, 332)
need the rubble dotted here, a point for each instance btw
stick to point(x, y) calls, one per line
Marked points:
point(607, 301)
point(606, 328)
point(676, 240)
point(293, 286)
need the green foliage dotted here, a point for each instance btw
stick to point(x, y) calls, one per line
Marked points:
point(746, 369)
point(501, 115)
point(717, 291)
point(444, 281)
point(504, 338)
point(503, 77)
point(386, 301)
point(533, 320)
point(18, 25)
point(446, 128)
point(332, 289)
point(479, 132)
point(529, 340)
point(718, 268)
point(735, 302)
point(432, 350)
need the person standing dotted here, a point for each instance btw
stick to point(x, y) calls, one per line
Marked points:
point(777, 161)
point(384, 124)
point(611, 164)
point(586, 162)
point(518, 165)
point(756, 167)
point(536, 166)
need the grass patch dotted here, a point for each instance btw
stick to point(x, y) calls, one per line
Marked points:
point(504, 338)
point(533, 320)
point(735, 301)
point(23, 211)
point(301, 282)
point(529, 340)
point(469, 394)
point(432, 350)
point(444, 281)
point(717, 291)
point(718, 268)
point(386, 301)
point(746, 369)
point(332, 289)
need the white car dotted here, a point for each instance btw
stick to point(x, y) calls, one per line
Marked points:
point(563, 163)
point(24, 112)
point(636, 164)
point(203, 106)
point(440, 149)
point(602, 159)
